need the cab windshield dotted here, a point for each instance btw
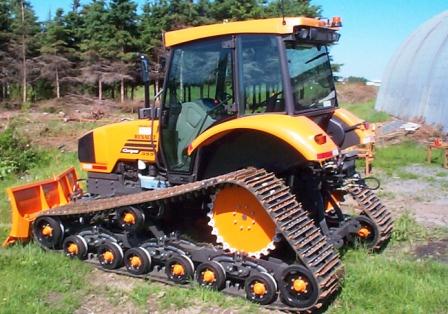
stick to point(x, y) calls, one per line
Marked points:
point(311, 76)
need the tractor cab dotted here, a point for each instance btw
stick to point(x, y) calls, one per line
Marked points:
point(221, 72)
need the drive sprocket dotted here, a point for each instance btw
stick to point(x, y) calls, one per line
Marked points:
point(240, 223)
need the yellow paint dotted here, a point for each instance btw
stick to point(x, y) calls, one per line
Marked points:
point(297, 131)
point(110, 140)
point(364, 232)
point(364, 135)
point(135, 261)
point(208, 276)
point(108, 257)
point(129, 219)
point(238, 215)
point(47, 231)
point(72, 249)
point(177, 270)
point(263, 26)
point(299, 285)
point(259, 289)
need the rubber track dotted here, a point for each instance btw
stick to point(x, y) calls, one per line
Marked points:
point(292, 221)
point(373, 208)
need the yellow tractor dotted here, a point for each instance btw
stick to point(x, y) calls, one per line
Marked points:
point(237, 180)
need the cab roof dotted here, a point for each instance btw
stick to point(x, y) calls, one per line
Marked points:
point(262, 26)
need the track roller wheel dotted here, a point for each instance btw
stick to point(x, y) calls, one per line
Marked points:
point(368, 233)
point(179, 269)
point(298, 288)
point(130, 218)
point(261, 288)
point(211, 275)
point(110, 255)
point(49, 232)
point(75, 246)
point(137, 261)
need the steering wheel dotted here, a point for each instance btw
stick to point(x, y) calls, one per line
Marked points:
point(220, 103)
point(267, 101)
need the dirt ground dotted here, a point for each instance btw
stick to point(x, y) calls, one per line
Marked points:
point(426, 197)
point(356, 93)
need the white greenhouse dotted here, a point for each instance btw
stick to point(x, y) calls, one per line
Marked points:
point(415, 83)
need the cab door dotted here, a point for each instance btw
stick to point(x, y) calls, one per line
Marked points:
point(198, 94)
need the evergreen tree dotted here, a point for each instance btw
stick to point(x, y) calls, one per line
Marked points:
point(55, 48)
point(123, 19)
point(74, 26)
point(5, 54)
point(236, 10)
point(24, 40)
point(97, 35)
point(153, 22)
point(96, 32)
point(292, 8)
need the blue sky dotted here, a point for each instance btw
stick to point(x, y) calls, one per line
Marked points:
point(372, 29)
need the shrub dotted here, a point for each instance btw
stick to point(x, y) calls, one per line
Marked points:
point(16, 153)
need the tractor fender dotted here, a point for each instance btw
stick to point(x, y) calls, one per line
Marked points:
point(356, 131)
point(297, 131)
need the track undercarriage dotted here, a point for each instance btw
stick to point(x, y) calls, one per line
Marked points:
point(304, 269)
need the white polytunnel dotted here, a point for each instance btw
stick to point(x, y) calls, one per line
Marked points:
point(415, 82)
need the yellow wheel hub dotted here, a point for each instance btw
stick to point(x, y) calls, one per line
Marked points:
point(299, 285)
point(72, 249)
point(177, 270)
point(240, 223)
point(108, 256)
point(208, 276)
point(259, 289)
point(129, 218)
point(135, 261)
point(47, 231)
point(364, 232)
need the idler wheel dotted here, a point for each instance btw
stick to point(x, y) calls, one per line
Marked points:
point(131, 218)
point(138, 261)
point(298, 287)
point(211, 275)
point(261, 288)
point(179, 269)
point(75, 246)
point(49, 232)
point(368, 233)
point(110, 255)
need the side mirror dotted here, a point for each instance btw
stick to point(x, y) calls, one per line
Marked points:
point(144, 67)
point(144, 63)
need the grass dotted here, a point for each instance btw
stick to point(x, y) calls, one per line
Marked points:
point(33, 281)
point(179, 298)
point(393, 157)
point(391, 284)
point(52, 162)
point(367, 111)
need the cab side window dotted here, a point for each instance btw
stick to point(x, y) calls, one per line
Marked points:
point(260, 74)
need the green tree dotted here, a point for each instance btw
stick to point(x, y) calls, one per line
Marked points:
point(24, 40)
point(97, 36)
point(55, 50)
point(153, 21)
point(236, 10)
point(5, 54)
point(123, 20)
point(292, 8)
point(74, 28)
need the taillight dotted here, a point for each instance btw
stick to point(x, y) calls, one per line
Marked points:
point(325, 155)
point(320, 139)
